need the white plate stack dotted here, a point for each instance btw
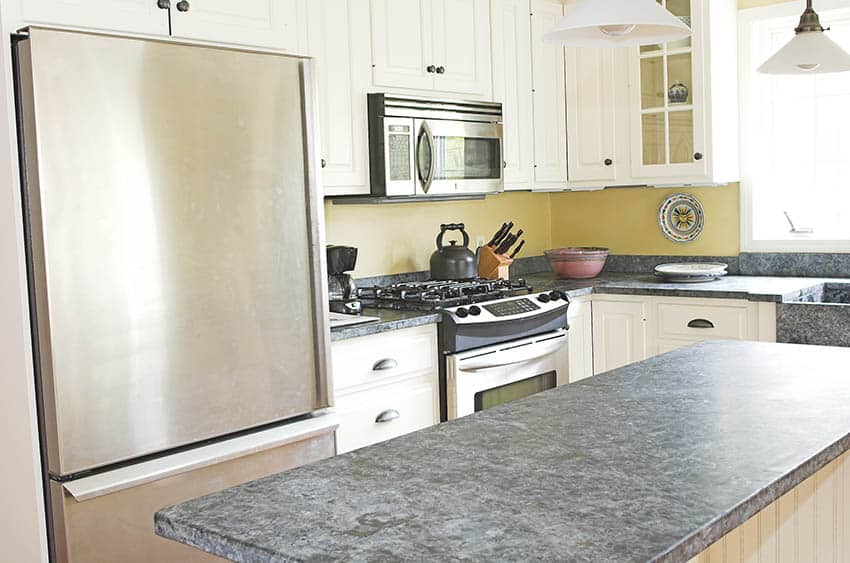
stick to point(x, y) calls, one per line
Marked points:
point(694, 272)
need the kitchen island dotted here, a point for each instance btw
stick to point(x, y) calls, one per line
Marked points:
point(655, 461)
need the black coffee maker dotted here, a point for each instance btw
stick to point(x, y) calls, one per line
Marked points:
point(341, 288)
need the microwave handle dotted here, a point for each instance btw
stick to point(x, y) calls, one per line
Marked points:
point(429, 138)
point(513, 356)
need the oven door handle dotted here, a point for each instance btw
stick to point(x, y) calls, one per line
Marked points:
point(513, 356)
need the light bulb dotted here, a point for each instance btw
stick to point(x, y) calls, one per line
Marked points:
point(617, 30)
point(809, 67)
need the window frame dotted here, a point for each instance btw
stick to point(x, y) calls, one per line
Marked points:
point(747, 18)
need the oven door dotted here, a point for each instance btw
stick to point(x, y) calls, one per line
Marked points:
point(458, 157)
point(486, 377)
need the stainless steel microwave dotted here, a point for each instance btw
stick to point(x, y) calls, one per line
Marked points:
point(420, 147)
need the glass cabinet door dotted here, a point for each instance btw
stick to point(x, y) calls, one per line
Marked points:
point(667, 88)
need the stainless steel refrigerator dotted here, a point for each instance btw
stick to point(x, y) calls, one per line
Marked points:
point(174, 241)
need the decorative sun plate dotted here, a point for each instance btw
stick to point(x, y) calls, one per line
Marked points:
point(681, 218)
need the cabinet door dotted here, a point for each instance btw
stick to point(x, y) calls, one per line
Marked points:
point(581, 340)
point(668, 106)
point(402, 44)
point(132, 16)
point(339, 41)
point(549, 98)
point(592, 115)
point(461, 31)
point(512, 87)
point(619, 334)
point(275, 24)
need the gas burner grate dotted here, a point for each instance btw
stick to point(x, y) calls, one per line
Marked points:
point(430, 295)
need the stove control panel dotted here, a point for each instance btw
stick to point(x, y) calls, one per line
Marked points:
point(508, 309)
point(511, 308)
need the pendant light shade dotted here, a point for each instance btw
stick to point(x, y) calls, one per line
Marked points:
point(810, 52)
point(616, 23)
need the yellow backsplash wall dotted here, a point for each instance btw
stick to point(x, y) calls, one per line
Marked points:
point(396, 238)
point(626, 221)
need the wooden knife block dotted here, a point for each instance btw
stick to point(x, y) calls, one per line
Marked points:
point(493, 266)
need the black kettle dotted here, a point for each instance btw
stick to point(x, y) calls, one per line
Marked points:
point(453, 262)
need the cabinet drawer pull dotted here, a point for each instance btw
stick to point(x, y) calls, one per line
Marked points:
point(387, 416)
point(385, 364)
point(700, 323)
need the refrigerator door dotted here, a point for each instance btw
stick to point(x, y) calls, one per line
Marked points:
point(174, 238)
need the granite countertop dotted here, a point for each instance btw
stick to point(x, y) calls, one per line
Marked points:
point(753, 288)
point(390, 320)
point(651, 462)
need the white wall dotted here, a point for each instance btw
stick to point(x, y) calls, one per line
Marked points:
point(22, 524)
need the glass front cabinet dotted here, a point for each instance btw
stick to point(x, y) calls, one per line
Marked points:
point(683, 100)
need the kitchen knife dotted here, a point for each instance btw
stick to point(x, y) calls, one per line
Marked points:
point(506, 244)
point(498, 235)
point(504, 235)
point(518, 248)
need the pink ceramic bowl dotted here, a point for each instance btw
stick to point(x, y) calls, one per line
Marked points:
point(577, 263)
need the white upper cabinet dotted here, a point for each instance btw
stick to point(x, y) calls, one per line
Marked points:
point(434, 45)
point(129, 16)
point(684, 108)
point(592, 115)
point(549, 99)
point(339, 41)
point(511, 28)
point(274, 24)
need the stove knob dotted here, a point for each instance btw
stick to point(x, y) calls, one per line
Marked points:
point(554, 295)
point(462, 312)
point(543, 298)
point(475, 310)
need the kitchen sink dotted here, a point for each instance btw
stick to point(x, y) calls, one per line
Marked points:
point(820, 317)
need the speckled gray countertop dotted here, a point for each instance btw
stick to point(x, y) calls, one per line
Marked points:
point(752, 288)
point(390, 320)
point(651, 462)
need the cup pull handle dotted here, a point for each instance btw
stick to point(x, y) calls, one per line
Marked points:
point(385, 365)
point(387, 416)
point(700, 323)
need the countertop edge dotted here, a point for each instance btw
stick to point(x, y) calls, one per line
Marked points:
point(225, 546)
point(701, 539)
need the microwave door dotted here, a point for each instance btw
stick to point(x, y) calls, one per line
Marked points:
point(458, 157)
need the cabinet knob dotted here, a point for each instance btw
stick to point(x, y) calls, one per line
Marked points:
point(163, 4)
point(608, 162)
point(183, 6)
point(441, 70)
point(431, 69)
point(324, 163)
point(698, 156)
point(387, 416)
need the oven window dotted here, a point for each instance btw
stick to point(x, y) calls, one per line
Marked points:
point(513, 391)
point(467, 158)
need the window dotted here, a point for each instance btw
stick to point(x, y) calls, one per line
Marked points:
point(795, 135)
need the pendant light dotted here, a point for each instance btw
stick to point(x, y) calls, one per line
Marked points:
point(810, 52)
point(616, 23)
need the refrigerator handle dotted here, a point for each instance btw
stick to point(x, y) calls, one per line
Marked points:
point(88, 488)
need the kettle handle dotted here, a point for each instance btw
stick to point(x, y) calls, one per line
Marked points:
point(452, 227)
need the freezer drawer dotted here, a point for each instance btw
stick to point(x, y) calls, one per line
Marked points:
point(97, 525)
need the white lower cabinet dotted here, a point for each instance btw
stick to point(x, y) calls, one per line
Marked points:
point(627, 329)
point(580, 318)
point(619, 333)
point(385, 385)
